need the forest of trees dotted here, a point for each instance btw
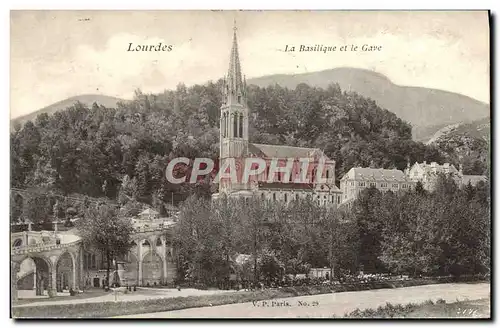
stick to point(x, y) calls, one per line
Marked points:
point(445, 232)
point(121, 153)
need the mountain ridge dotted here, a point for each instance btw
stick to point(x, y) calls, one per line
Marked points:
point(427, 110)
point(87, 99)
point(419, 106)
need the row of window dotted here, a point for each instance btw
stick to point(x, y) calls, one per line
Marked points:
point(280, 175)
point(325, 198)
point(89, 261)
point(237, 121)
point(382, 185)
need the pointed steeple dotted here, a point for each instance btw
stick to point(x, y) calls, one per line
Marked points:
point(234, 83)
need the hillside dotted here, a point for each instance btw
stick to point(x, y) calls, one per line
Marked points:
point(477, 129)
point(466, 143)
point(87, 100)
point(422, 107)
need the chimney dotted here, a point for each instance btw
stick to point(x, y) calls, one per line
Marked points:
point(425, 162)
point(433, 164)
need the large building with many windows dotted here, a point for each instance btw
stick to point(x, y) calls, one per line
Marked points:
point(360, 178)
point(428, 174)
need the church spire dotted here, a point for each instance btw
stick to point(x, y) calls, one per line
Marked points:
point(234, 82)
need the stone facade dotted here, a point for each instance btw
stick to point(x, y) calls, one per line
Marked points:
point(234, 144)
point(427, 174)
point(358, 179)
point(52, 262)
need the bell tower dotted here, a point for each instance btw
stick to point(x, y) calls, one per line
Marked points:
point(234, 115)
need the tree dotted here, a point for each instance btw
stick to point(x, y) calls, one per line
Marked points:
point(37, 209)
point(370, 223)
point(103, 229)
point(270, 267)
point(340, 241)
point(411, 242)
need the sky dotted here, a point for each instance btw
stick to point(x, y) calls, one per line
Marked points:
point(60, 54)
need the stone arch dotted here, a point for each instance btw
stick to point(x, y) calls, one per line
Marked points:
point(152, 268)
point(145, 243)
point(36, 278)
point(131, 270)
point(65, 266)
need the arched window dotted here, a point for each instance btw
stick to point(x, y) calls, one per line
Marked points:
point(286, 198)
point(226, 124)
point(93, 264)
point(223, 125)
point(158, 242)
point(18, 242)
point(241, 126)
point(235, 125)
point(146, 243)
point(274, 196)
point(327, 173)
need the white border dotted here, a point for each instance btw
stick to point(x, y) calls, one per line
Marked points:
point(7, 5)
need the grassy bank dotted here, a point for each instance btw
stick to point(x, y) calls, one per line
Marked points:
point(479, 309)
point(109, 309)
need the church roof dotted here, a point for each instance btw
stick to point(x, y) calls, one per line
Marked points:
point(275, 151)
point(371, 174)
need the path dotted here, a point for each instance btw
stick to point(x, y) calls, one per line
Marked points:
point(331, 304)
point(140, 294)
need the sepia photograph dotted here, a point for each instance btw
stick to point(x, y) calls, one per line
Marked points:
point(240, 164)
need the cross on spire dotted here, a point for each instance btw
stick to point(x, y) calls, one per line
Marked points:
point(234, 82)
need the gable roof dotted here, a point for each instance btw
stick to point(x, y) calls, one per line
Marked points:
point(275, 151)
point(370, 174)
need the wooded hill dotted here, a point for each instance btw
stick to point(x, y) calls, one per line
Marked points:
point(122, 152)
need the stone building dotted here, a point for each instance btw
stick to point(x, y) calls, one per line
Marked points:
point(319, 184)
point(360, 178)
point(52, 262)
point(428, 174)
